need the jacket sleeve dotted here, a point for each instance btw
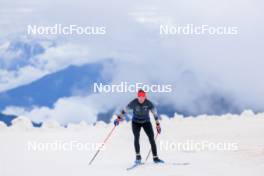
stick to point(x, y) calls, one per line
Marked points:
point(154, 111)
point(126, 109)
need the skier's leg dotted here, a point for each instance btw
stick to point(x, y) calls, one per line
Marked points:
point(136, 131)
point(149, 131)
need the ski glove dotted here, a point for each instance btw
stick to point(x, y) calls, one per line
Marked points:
point(158, 127)
point(117, 120)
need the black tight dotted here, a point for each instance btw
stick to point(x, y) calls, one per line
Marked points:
point(136, 127)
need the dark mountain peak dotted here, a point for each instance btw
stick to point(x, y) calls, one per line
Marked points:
point(48, 89)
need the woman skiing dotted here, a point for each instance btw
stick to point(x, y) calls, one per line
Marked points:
point(141, 107)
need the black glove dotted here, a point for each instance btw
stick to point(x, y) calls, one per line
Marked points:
point(117, 120)
point(158, 127)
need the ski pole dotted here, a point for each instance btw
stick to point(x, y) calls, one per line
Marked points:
point(99, 149)
point(150, 148)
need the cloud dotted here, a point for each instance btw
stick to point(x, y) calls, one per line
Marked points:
point(73, 109)
point(12, 79)
point(53, 59)
point(199, 67)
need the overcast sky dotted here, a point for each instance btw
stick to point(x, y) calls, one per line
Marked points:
point(196, 65)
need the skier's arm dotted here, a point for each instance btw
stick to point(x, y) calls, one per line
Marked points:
point(120, 116)
point(123, 112)
point(155, 114)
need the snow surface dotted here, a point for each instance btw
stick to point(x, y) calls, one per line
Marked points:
point(247, 130)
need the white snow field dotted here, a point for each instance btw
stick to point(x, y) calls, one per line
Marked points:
point(235, 147)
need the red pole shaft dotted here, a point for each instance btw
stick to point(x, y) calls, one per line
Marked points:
point(99, 149)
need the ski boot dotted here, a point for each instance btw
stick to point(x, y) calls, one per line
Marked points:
point(157, 160)
point(138, 159)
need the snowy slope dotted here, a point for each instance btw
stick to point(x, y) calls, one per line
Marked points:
point(246, 130)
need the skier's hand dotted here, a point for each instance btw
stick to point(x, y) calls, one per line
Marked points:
point(117, 120)
point(158, 127)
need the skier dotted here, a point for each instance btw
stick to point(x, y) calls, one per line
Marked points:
point(141, 107)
